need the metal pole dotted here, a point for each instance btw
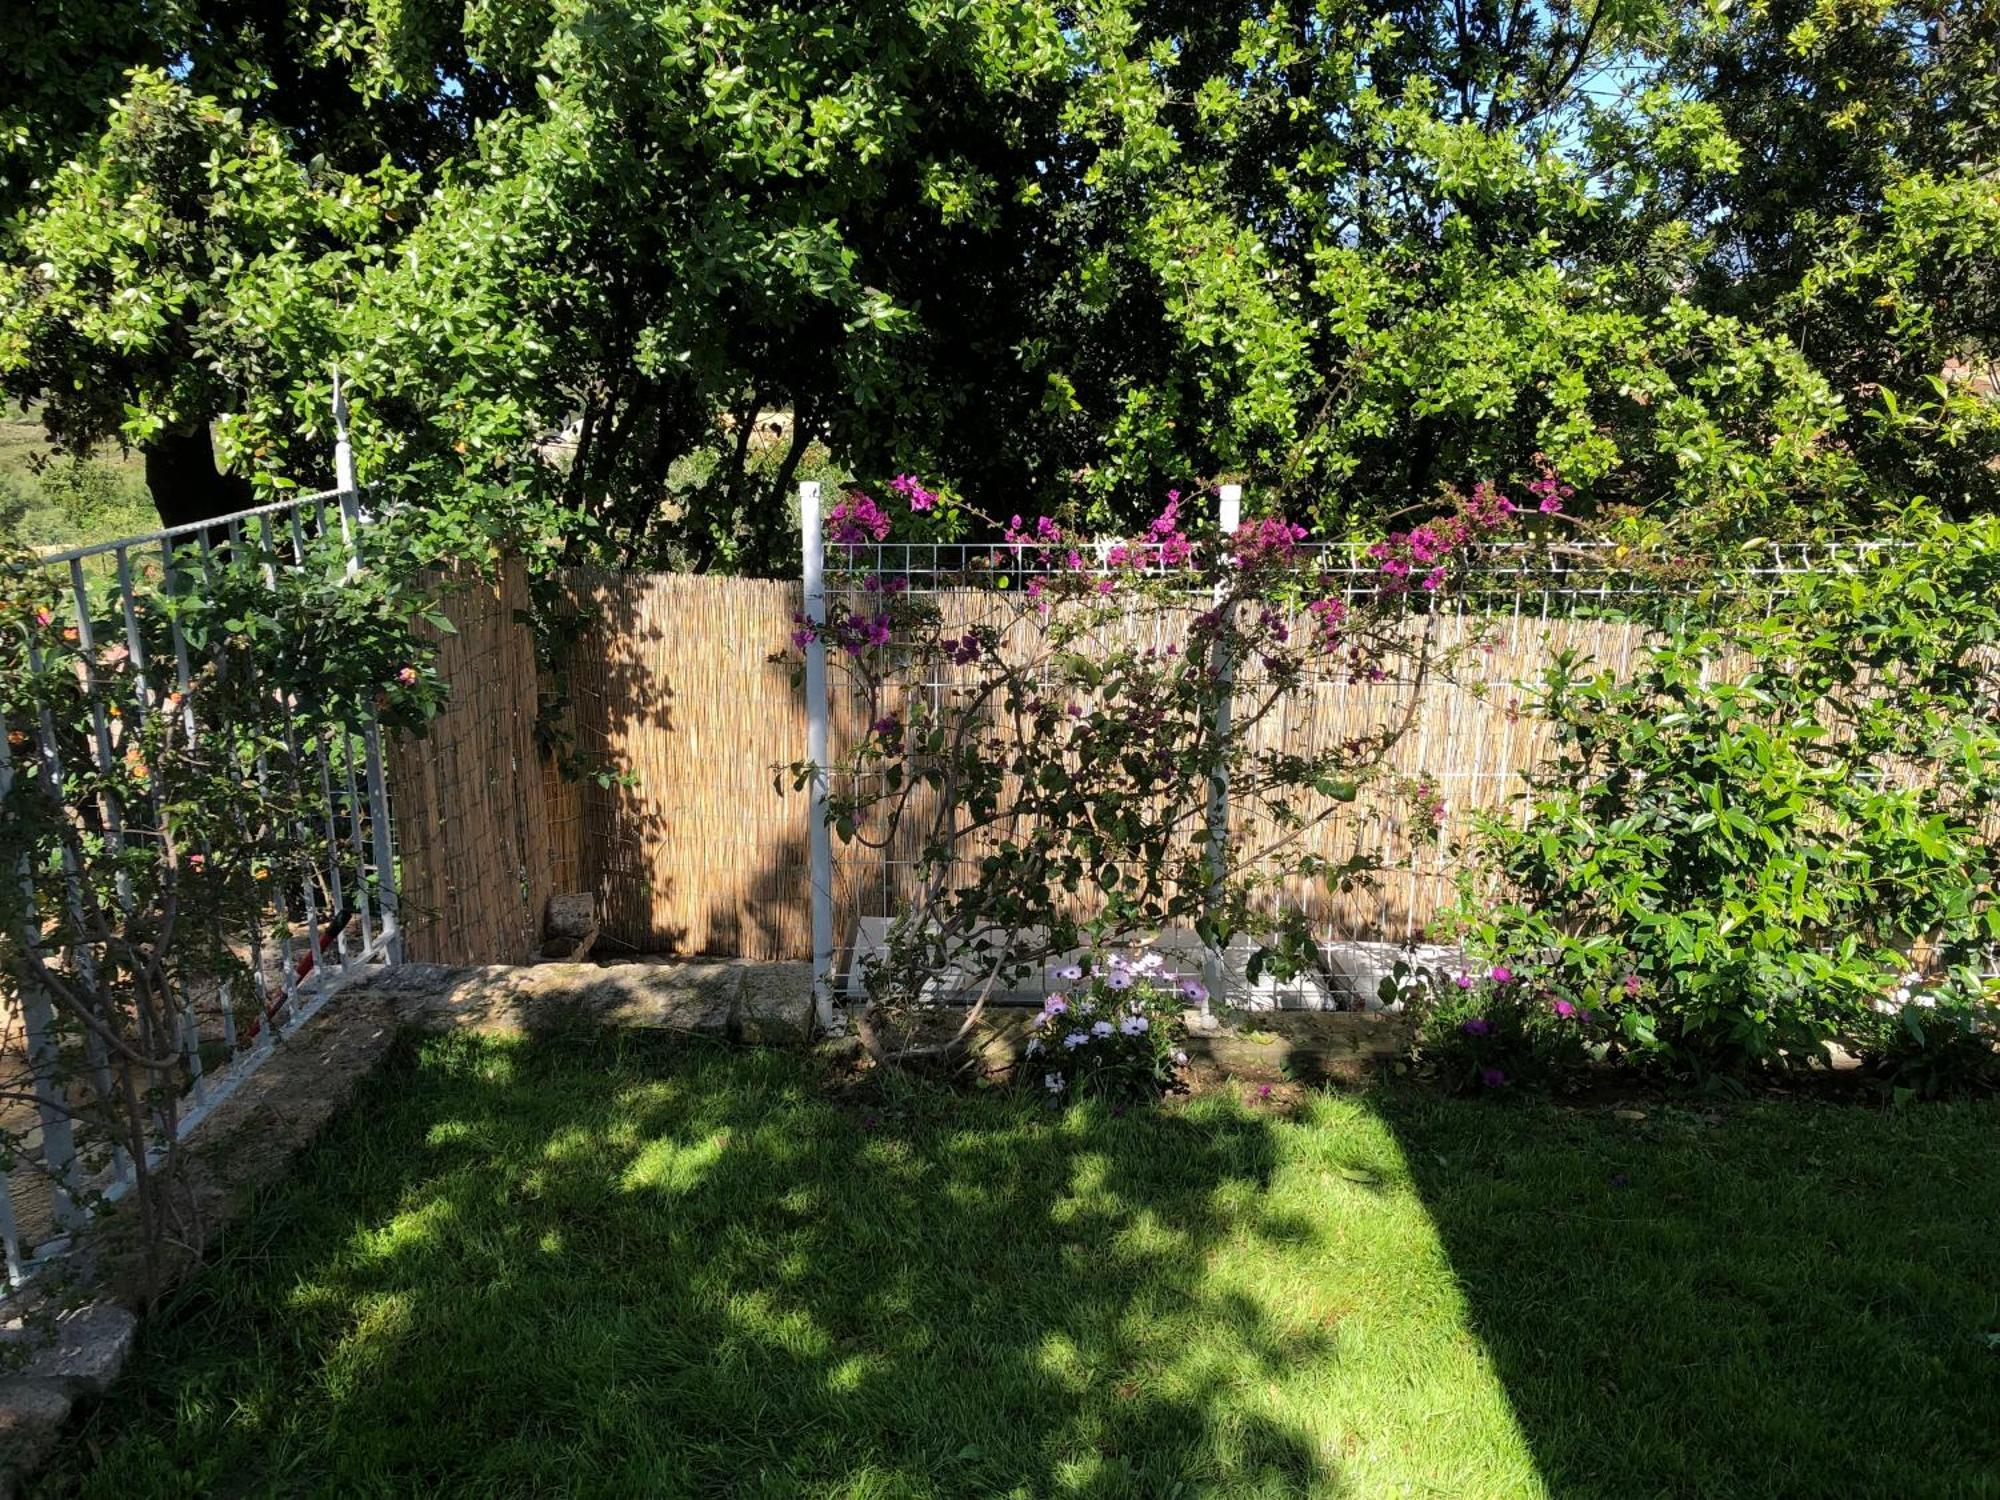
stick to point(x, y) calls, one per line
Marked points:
point(814, 577)
point(386, 901)
point(344, 480)
point(1229, 516)
point(381, 836)
point(58, 1144)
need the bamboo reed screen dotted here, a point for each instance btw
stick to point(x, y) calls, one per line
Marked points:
point(672, 690)
point(691, 850)
point(472, 825)
point(683, 718)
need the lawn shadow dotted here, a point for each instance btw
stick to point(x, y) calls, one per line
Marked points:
point(600, 1264)
point(1779, 1299)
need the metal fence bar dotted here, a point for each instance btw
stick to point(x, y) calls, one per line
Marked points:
point(364, 909)
point(58, 1144)
point(385, 846)
point(145, 679)
point(1229, 515)
point(813, 569)
point(1509, 587)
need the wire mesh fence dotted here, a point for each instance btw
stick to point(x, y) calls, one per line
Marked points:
point(1516, 610)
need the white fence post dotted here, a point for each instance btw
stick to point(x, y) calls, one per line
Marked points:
point(382, 838)
point(343, 479)
point(1229, 515)
point(813, 575)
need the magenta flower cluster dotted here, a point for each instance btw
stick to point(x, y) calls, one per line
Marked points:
point(1548, 489)
point(1273, 541)
point(912, 490)
point(851, 633)
point(857, 520)
point(1417, 558)
point(1044, 533)
point(1165, 544)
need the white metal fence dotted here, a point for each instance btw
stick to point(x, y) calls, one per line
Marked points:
point(329, 916)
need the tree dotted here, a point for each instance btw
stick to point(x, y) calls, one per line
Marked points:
point(167, 169)
point(1379, 250)
point(1711, 263)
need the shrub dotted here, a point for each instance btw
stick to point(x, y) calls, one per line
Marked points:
point(1488, 1030)
point(1115, 1034)
point(1049, 761)
point(156, 821)
point(1734, 852)
point(1928, 1042)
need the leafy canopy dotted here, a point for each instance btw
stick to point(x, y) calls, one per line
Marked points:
point(1732, 270)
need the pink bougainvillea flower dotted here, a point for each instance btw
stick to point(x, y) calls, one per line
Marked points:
point(911, 490)
point(1632, 985)
point(857, 520)
point(1566, 1010)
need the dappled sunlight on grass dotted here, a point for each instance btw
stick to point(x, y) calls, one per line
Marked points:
point(667, 1167)
point(419, 1228)
point(673, 1270)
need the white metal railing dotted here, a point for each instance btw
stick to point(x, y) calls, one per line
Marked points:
point(337, 921)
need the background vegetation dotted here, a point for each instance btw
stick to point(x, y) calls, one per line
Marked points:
point(1732, 268)
point(49, 499)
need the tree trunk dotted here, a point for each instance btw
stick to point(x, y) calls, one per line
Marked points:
point(186, 485)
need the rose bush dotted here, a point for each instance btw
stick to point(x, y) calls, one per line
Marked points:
point(1735, 852)
point(164, 807)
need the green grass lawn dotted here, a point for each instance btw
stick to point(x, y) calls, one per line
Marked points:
point(613, 1266)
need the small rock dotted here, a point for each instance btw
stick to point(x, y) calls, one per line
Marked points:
point(32, 1413)
point(87, 1352)
point(1628, 1114)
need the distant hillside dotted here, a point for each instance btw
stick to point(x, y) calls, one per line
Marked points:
point(47, 501)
